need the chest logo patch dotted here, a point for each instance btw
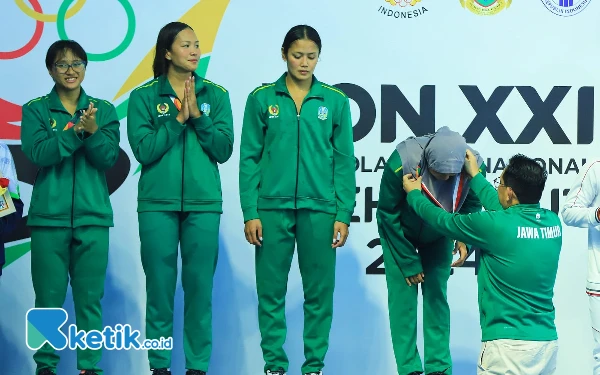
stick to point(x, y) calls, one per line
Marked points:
point(274, 111)
point(322, 114)
point(163, 109)
point(205, 108)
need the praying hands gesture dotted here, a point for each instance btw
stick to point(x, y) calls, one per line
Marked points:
point(189, 106)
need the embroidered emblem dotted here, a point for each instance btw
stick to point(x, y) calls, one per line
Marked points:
point(163, 109)
point(274, 111)
point(322, 115)
point(205, 108)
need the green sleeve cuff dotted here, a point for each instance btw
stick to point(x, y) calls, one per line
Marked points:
point(412, 268)
point(94, 140)
point(201, 123)
point(71, 139)
point(343, 217)
point(250, 213)
point(175, 126)
point(413, 195)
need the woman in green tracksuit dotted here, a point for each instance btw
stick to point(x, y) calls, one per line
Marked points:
point(414, 253)
point(179, 127)
point(297, 185)
point(73, 138)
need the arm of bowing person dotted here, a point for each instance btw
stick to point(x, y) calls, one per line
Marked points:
point(344, 178)
point(389, 225)
point(215, 132)
point(465, 228)
point(102, 147)
point(40, 147)
point(578, 210)
point(149, 143)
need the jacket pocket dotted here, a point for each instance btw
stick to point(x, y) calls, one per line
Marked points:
point(483, 349)
point(316, 177)
point(52, 194)
point(162, 180)
point(278, 173)
point(202, 180)
point(91, 194)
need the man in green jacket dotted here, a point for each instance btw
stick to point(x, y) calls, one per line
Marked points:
point(413, 251)
point(520, 246)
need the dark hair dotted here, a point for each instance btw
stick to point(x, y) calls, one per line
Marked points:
point(59, 49)
point(526, 177)
point(166, 37)
point(300, 32)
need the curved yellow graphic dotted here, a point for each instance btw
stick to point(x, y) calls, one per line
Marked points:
point(204, 17)
point(48, 17)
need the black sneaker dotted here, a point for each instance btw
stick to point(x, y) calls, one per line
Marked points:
point(161, 371)
point(195, 372)
point(46, 371)
point(276, 372)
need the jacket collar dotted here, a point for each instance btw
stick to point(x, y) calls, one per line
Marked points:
point(55, 104)
point(316, 88)
point(165, 87)
point(525, 207)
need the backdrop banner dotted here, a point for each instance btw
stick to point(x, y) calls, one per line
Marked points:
point(512, 77)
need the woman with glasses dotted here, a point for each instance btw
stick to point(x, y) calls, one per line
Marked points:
point(73, 138)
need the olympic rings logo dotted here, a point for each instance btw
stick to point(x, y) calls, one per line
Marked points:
point(63, 14)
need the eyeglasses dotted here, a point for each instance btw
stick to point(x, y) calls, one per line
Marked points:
point(497, 183)
point(77, 66)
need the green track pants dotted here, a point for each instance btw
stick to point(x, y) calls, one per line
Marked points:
point(313, 232)
point(80, 254)
point(436, 259)
point(160, 235)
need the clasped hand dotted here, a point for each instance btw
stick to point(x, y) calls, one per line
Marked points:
point(87, 121)
point(189, 105)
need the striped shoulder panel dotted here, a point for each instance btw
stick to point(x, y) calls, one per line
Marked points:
point(96, 100)
point(214, 84)
point(262, 87)
point(334, 89)
point(36, 99)
point(148, 84)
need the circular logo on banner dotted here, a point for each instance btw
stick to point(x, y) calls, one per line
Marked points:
point(566, 8)
point(402, 9)
point(485, 7)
